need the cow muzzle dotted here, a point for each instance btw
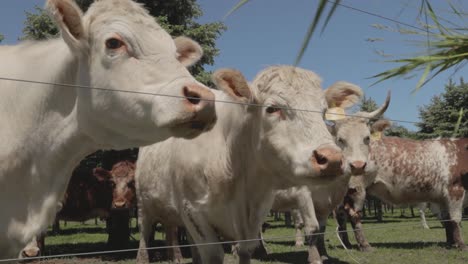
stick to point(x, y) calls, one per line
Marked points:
point(200, 106)
point(120, 204)
point(328, 161)
point(31, 252)
point(358, 167)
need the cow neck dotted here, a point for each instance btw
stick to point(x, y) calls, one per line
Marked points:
point(47, 147)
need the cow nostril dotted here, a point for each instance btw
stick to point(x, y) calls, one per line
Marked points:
point(321, 160)
point(191, 96)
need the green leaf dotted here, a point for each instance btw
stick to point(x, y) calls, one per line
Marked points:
point(422, 79)
point(237, 6)
point(457, 125)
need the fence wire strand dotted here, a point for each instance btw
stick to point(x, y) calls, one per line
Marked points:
point(219, 242)
point(196, 98)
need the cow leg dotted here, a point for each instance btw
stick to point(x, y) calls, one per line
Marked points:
point(299, 225)
point(244, 250)
point(201, 232)
point(341, 219)
point(146, 229)
point(422, 214)
point(312, 229)
point(455, 207)
point(174, 254)
point(321, 238)
point(260, 249)
point(359, 234)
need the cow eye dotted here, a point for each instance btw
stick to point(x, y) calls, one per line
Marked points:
point(272, 109)
point(131, 184)
point(367, 140)
point(341, 141)
point(114, 43)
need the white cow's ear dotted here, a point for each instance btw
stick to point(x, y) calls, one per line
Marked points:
point(234, 83)
point(189, 52)
point(68, 16)
point(342, 95)
point(380, 125)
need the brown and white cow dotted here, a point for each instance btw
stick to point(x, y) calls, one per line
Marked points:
point(326, 198)
point(412, 171)
point(92, 193)
point(221, 182)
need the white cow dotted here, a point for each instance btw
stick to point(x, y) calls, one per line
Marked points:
point(47, 129)
point(326, 198)
point(221, 182)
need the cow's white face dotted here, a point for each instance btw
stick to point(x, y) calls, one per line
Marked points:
point(353, 136)
point(295, 143)
point(121, 47)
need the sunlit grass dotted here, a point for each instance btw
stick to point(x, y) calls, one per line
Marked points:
point(396, 240)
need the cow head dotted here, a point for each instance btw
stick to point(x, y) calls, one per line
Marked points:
point(295, 140)
point(122, 181)
point(353, 136)
point(117, 45)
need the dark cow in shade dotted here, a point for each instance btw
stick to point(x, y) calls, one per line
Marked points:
point(92, 193)
point(411, 171)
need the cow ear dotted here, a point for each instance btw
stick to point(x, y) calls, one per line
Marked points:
point(102, 174)
point(380, 125)
point(342, 95)
point(189, 52)
point(234, 83)
point(68, 17)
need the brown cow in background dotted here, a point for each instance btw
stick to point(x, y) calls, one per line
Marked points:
point(93, 193)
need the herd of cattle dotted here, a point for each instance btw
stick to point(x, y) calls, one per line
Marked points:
point(212, 160)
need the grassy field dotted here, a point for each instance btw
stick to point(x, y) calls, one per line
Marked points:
point(396, 240)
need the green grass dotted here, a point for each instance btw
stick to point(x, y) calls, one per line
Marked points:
point(396, 240)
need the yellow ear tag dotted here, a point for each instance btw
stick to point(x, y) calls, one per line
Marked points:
point(335, 113)
point(376, 136)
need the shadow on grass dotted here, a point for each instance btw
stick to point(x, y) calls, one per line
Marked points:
point(409, 245)
point(278, 226)
point(77, 248)
point(282, 242)
point(296, 258)
point(71, 231)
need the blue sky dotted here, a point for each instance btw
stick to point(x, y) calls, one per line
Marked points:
point(269, 32)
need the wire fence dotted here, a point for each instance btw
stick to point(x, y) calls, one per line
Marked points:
point(273, 238)
point(195, 98)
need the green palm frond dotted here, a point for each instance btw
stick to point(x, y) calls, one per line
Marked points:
point(446, 48)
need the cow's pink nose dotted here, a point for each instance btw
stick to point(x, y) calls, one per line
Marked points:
point(200, 101)
point(358, 167)
point(328, 160)
point(119, 204)
point(198, 96)
point(31, 252)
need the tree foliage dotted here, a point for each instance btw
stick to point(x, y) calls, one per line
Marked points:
point(1, 37)
point(39, 26)
point(440, 116)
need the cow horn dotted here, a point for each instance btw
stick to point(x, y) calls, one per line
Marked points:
point(379, 111)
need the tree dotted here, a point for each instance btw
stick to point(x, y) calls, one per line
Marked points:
point(441, 115)
point(178, 17)
point(1, 37)
point(39, 26)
